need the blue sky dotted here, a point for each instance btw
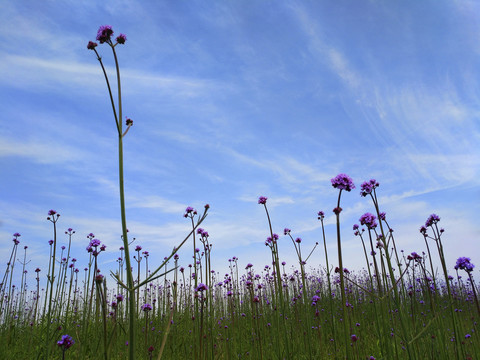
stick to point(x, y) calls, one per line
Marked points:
point(236, 99)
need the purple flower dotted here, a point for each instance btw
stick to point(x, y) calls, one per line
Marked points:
point(321, 215)
point(354, 337)
point(201, 287)
point(66, 342)
point(343, 182)
point(368, 186)
point(104, 33)
point(147, 307)
point(121, 39)
point(91, 45)
point(414, 256)
point(202, 232)
point(262, 200)
point(286, 231)
point(119, 297)
point(463, 263)
point(432, 219)
point(369, 220)
point(94, 243)
point(298, 240)
point(138, 248)
point(190, 211)
point(50, 242)
point(128, 122)
point(51, 212)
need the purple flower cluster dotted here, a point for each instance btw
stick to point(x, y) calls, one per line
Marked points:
point(414, 256)
point(202, 232)
point(66, 342)
point(262, 200)
point(93, 246)
point(190, 212)
point(104, 33)
point(201, 287)
point(147, 307)
point(432, 219)
point(343, 182)
point(369, 220)
point(463, 263)
point(368, 186)
point(271, 241)
point(121, 39)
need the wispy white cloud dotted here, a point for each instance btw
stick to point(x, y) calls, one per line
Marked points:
point(39, 151)
point(326, 51)
point(157, 202)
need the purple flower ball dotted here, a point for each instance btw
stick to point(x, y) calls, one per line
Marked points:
point(262, 200)
point(104, 33)
point(369, 220)
point(343, 182)
point(121, 39)
point(66, 342)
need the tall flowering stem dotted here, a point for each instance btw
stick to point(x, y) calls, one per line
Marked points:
point(104, 35)
point(342, 182)
point(272, 244)
point(53, 218)
point(464, 263)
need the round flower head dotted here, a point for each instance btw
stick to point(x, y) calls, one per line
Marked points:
point(432, 219)
point(343, 182)
point(104, 33)
point(91, 45)
point(94, 243)
point(262, 200)
point(66, 342)
point(201, 287)
point(368, 186)
point(128, 122)
point(147, 307)
point(368, 220)
point(190, 211)
point(463, 263)
point(121, 39)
